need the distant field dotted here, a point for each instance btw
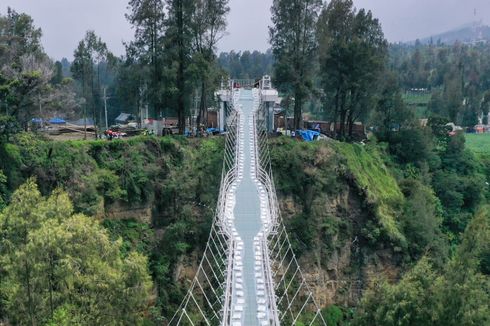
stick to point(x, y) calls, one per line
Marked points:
point(480, 144)
point(418, 101)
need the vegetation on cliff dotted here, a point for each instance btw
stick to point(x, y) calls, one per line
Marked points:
point(363, 216)
point(153, 196)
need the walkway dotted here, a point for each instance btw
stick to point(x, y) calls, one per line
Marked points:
point(247, 215)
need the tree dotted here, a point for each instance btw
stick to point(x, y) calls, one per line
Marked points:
point(25, 68)
point(54, 260)
point(179, 47)
point(148, 18)
point(18, 37)
point(294, 46)
point(88, 57)
point(258, 65)
point(421, 221)
point(352, 57)
point(131, 80)
point(391, 114)
point(207, 28)
point(410, 302)
point(457, 296)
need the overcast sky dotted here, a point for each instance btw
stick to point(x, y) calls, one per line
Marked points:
point(64, 22)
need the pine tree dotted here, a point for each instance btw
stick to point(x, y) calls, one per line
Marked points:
point(294, 46)
point(148, 19)
point(352, 57)
point(208, 26)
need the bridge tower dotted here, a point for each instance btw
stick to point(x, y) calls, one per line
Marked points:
point(268, 97)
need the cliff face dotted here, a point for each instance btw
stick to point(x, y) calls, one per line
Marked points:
point(339, 202)
point(157, 194)
point(334, 217)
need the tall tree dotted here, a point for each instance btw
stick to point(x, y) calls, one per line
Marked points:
point(25, 68)
point(148, 19)
point(208, 27)
point(352, 56)
point(88, 57)
point(294, 45)
point(179, 46)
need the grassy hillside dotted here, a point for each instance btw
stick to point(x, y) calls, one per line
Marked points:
point(345, 212)
point(377, 185)
point(479, 144)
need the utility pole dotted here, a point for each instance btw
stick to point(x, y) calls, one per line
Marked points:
point(85, 121)
point(40, 105)
point(105, 108)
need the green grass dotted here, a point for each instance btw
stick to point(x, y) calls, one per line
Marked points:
point(419, 102)
point(375, 180)
point(479, 144)
point(411, 98)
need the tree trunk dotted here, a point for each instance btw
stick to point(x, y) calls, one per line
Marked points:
point(335, 114)
point(298, 103)
point(350, 122)
point(94, 108)
point(202, 115)
point(29, 293)
point(180, 74)
point(343, 113)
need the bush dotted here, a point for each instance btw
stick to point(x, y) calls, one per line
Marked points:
point(333, 315)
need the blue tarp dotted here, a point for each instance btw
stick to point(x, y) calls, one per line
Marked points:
point(212, 130)
point(57, 121)
point(308, 135)
point(37, 120)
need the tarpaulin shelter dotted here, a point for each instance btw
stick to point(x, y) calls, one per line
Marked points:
point(308, 135)
point(57, 121)
point(124, 118)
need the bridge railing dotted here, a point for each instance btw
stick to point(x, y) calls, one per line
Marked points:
point(208, 299)
point(294, 297)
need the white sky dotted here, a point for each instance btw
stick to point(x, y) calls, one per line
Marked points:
point(64, 22)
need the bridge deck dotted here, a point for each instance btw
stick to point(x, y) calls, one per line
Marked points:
point(247, 212)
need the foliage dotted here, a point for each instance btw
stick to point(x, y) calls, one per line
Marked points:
point(455, 77)
point(352, 56)
point(305, 172)
point(458, 296)
point(374, 181)
point(480, 146)
point(177, 178)
point(391, 114)
point(294, 47)
point(3, 190)
point(413, 146)
point(145, 53)
point(28, 87)
point(246, 64)
point(421, 221)
point(458, 184)
point(333, 315)
point(52, 258)
point(8, 127)
point(88, 58)
point(136, 236)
